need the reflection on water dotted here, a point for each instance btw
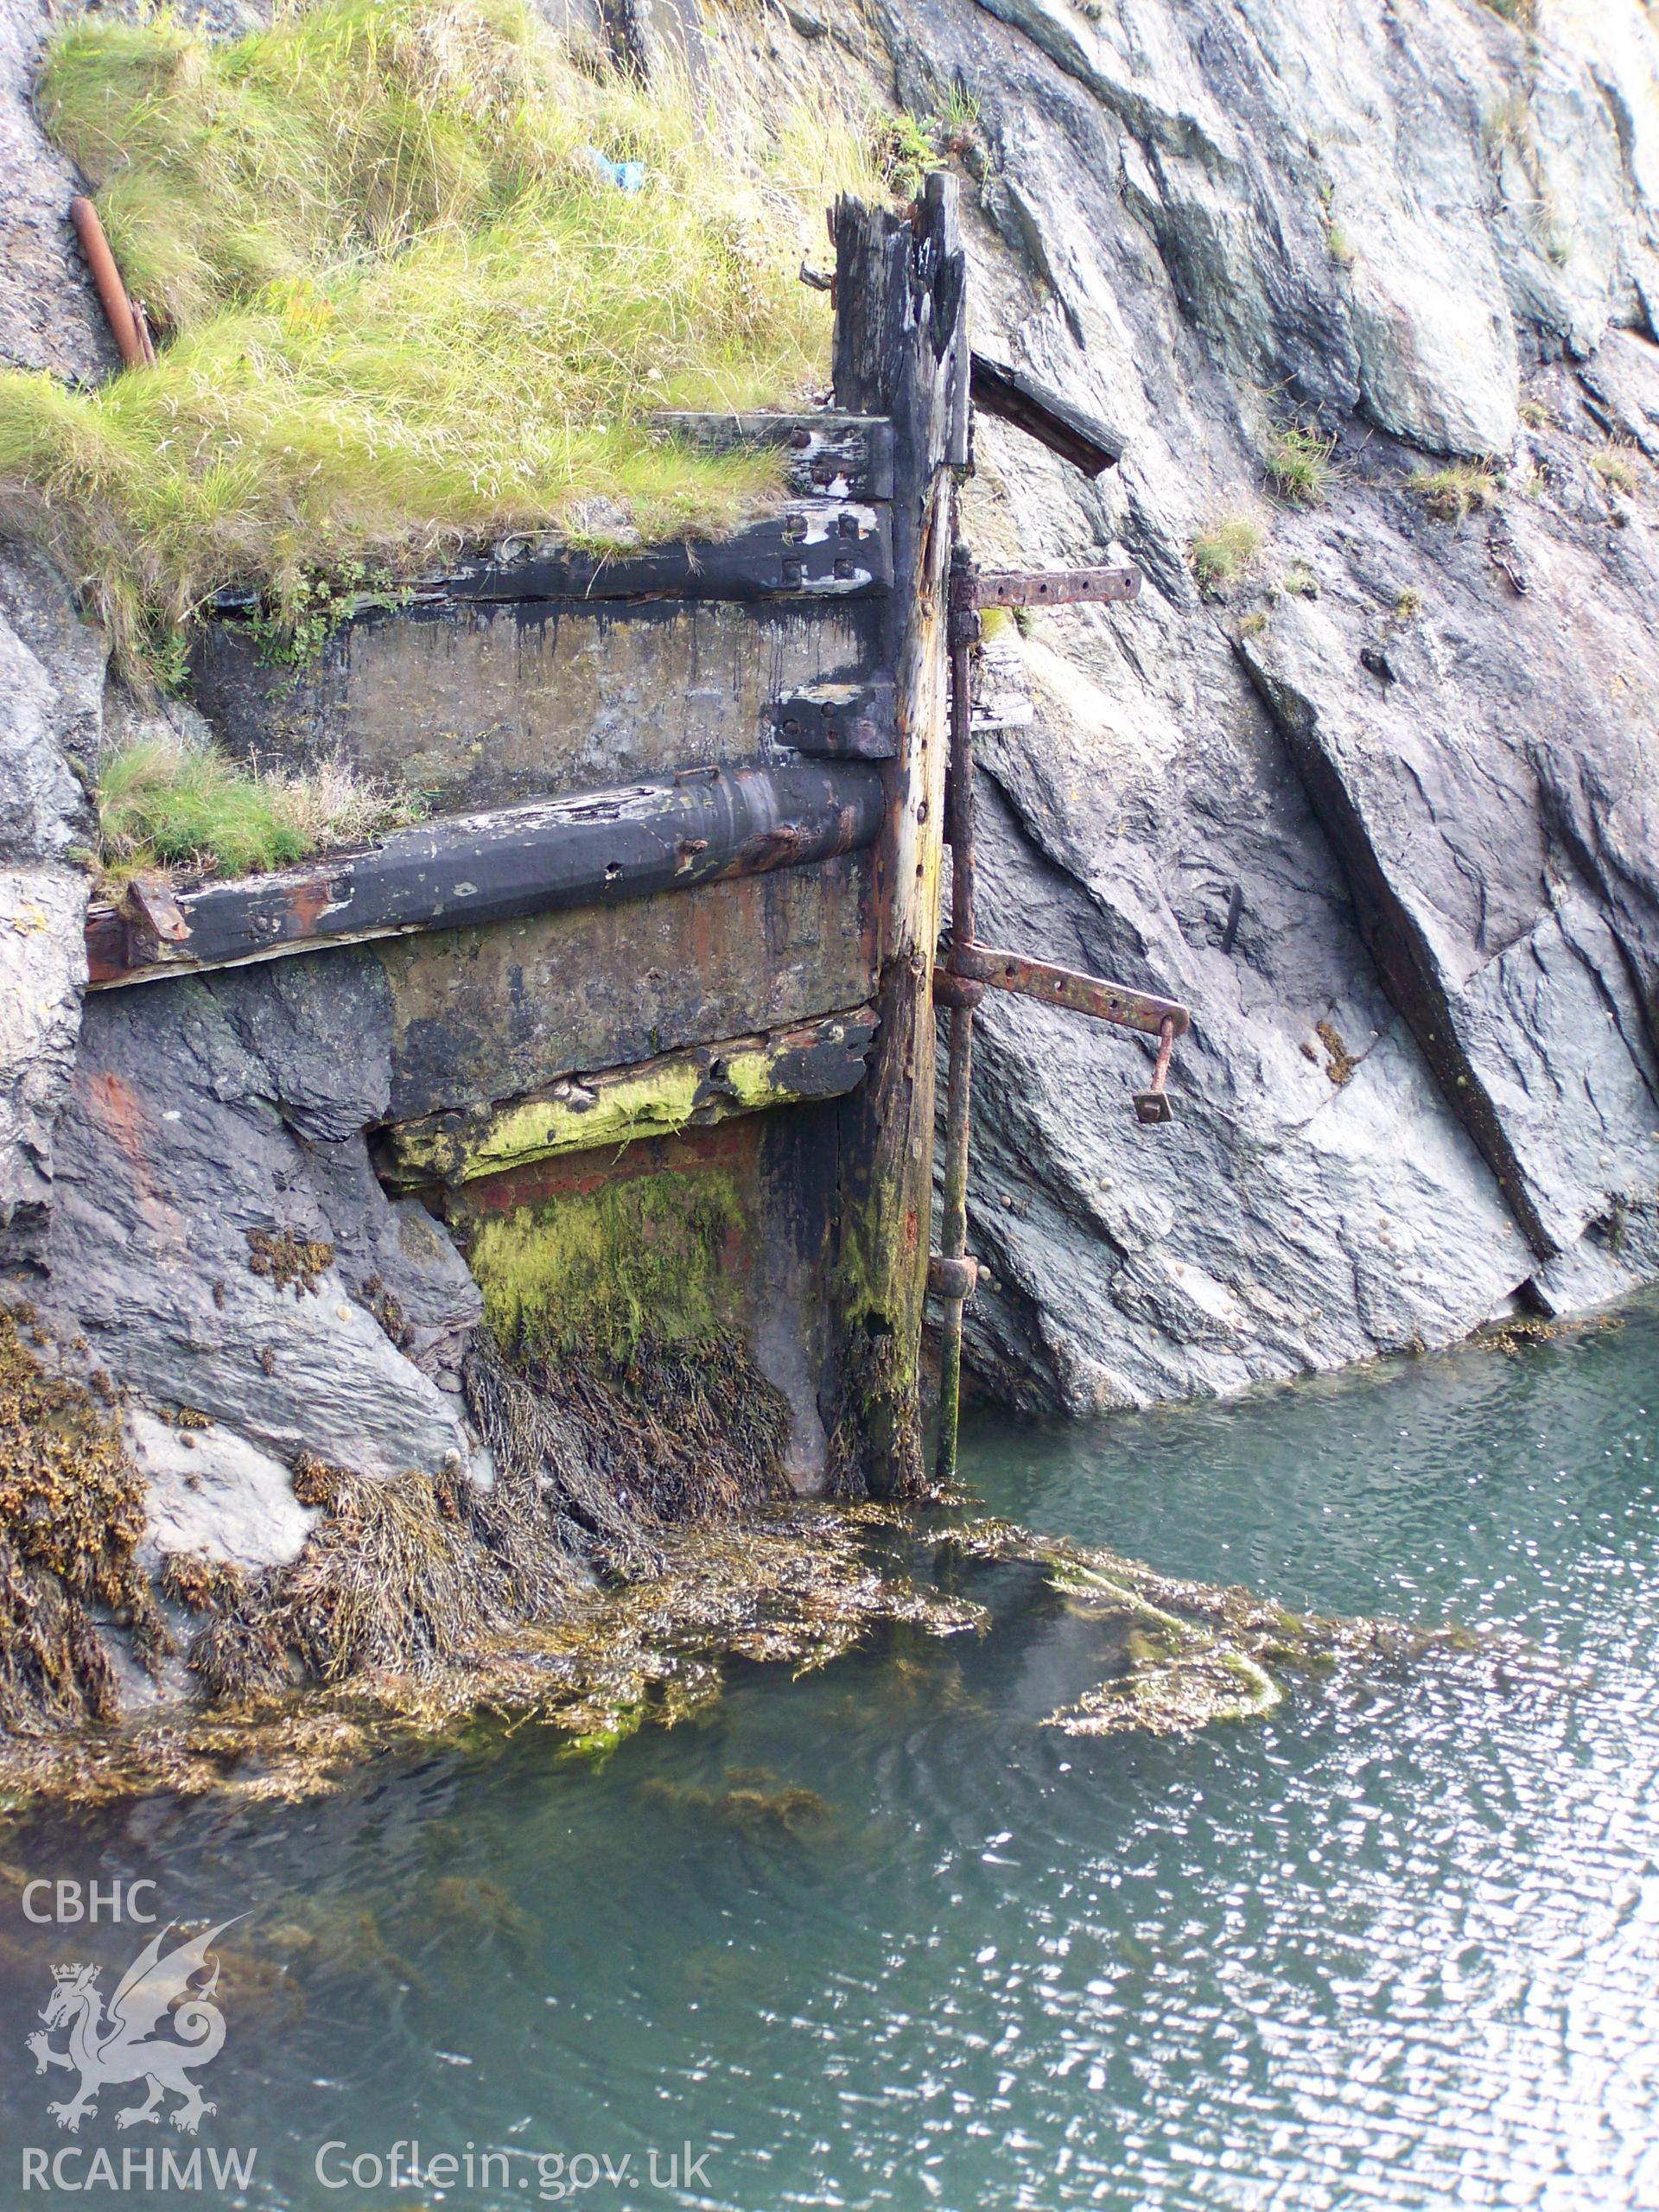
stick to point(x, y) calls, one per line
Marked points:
point(876, 1938)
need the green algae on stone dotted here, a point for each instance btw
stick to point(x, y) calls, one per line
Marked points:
point(598, 1271)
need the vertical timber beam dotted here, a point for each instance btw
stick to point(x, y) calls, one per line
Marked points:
point(900, 350)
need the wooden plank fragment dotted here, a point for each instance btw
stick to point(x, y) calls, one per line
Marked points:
point(809, 549)
point(693, 1088)
point(480, 1015)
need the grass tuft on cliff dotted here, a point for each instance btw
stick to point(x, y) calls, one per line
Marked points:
point(401, 299)
point(167, 803)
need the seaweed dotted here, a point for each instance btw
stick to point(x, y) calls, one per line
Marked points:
point(71, 1517)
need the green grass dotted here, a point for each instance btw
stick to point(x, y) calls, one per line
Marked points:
point(1458, 490)
point(1298, 463)
point(400, 304)
point(1225, 550)
point(164, 803)
point(1617, 469)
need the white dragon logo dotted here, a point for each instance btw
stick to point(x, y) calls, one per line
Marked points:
point(122, 2047)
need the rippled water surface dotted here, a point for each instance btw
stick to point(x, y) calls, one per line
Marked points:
point(1399, 1946)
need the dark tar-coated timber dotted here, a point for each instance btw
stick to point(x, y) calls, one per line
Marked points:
point(810, 549)
point(596, 848)
point(824, 548)
point(1054, 587)
point(1070, 989)
point(1015, 395)
point(826, 456)
point(900, 351)
point(840, 722)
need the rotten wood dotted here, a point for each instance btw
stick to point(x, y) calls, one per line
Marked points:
point(598, 848)
point(1015, 395)
point(692, 1089)
point(900, 351)
point(810, 549)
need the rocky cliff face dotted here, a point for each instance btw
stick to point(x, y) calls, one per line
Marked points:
point(1377, 797)
point(1381, 805)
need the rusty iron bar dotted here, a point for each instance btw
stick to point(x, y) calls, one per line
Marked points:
point(1055, 586)
point(1070, 987)
point(107, 278)
point(1152, 1105)
point(950, 1271)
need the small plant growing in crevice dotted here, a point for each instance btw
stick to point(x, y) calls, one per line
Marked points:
point(1409, 605)
point(1298, 463)
point(1225, 550)
point(1451, 492)
point(297, 616)
point(906, 146)
point(1616, 470)
point(1300, 581)
point(1340, 246)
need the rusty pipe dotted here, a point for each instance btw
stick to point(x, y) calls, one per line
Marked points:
point(107, 278)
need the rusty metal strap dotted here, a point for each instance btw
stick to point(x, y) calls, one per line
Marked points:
point(1070, 987)
point(1053, 587)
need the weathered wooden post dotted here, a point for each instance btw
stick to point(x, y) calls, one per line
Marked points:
point(900, 350)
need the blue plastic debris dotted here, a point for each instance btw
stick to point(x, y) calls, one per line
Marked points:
point(627, 176)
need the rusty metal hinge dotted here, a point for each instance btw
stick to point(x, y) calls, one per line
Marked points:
point(975, 967)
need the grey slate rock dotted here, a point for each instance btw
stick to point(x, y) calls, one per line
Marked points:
point(181, 1144)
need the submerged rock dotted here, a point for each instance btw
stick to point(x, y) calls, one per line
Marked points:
point(420, 1618)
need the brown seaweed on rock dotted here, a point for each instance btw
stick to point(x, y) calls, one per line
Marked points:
point(797, 1585)
point(72, 1513)
point(1187, 1655)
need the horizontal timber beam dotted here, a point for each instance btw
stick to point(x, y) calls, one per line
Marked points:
point(827, 455)
point(815, 549)
point(692, 1089)
point(591, 849)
